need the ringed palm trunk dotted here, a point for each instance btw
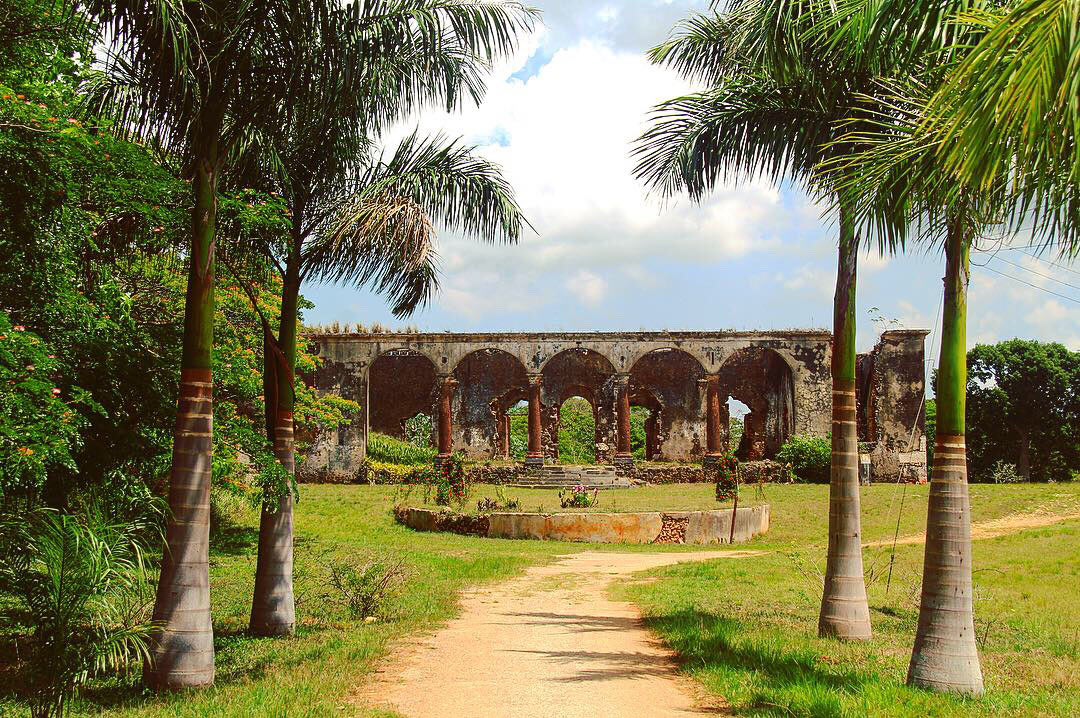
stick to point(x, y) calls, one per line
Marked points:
point(945, 657)
point(273, 608)
point(844, 610)
point(182, 650)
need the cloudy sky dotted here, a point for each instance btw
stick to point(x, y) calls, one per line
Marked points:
point(560, 119)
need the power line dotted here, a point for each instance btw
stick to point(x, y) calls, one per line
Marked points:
point(1040, 274)
point(1033, 286)
point(1052, 264)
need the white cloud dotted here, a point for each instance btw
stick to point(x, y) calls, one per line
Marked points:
point(587, 287)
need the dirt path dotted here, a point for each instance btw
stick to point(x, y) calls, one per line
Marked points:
point(550, 643)
point(992, 529)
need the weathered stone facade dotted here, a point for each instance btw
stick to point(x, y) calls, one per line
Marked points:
point(468, 382)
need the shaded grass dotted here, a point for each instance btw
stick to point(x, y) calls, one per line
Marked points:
point(747, 629)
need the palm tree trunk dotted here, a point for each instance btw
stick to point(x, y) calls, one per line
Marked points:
point(945, 657)
point(844, 611)
point(273, 608)
point(182, 651)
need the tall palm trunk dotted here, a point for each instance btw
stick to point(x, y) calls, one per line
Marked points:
point(182, 651)
point(844, 611)
point(273, 609)
point(945, 657)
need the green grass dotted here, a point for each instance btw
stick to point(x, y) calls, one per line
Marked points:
point(388, 450)
point(745, 628)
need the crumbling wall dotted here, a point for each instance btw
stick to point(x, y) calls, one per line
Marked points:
point(489, 382)
point(667, 382)
point(890, 395)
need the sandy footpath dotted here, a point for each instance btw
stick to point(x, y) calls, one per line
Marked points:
point(550, 643)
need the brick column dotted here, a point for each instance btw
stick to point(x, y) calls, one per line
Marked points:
point(535, 457)
point(504, 435)
point(446, 420)
point(623, 457)
point(713, 429)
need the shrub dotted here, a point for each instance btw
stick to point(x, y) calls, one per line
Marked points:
point(579, 498)
point(364, 585)
point(451, 482)
point(78, 588)
point(1005, 473)
point(809, 457)
point(387, 449)
point(726, 472)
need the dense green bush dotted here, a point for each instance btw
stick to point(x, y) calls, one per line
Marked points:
point(388, 450)
point(809, 456)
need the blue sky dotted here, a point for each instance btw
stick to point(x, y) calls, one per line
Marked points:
point(560, 117)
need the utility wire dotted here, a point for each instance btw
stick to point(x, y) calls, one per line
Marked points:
point(1033, 286)
point(1052, 264)
point(1040, 274)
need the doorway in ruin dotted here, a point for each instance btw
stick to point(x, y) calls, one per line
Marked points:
point(590, 377)
point(759, 384)
point(577, 431)
point(401, 387)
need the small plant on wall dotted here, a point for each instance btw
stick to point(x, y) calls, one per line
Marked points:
point(726, 471)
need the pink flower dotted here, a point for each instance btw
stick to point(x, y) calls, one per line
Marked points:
point(19, 328)
point(56, 391)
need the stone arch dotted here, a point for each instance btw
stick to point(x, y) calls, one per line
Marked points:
point(490, 381)
point(401, 384)
point(579, 372)
point(763, 380)
point(667, 382)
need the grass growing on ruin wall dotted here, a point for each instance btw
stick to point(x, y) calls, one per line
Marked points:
point(388, 450)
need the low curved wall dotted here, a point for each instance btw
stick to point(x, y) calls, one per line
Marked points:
point(692, 527)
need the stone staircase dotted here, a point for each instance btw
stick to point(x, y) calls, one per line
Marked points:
point(566, 477)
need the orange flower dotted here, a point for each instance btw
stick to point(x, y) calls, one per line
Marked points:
point(26, 451)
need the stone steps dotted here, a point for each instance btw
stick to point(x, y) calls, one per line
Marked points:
point(567, 477)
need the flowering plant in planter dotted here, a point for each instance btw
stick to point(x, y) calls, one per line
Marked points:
point(579, 498)
point(725, 468)
point(450, 481)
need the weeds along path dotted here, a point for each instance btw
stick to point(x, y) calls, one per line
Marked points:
point(1014, 523)
point(550, 643)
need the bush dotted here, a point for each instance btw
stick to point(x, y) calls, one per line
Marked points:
point(363, 586)
point(387, 449)
point(77, 587)
point(1005, 473)
point(809, 457)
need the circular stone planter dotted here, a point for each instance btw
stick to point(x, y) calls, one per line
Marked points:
point(691, 527)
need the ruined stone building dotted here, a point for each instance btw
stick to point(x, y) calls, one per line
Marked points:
point(468, 382)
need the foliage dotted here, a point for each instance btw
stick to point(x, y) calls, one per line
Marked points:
point(386, 449)
point(365, 585)
point(1003, 473)
point(579, 498)
point(931, 430)
point(487, 504)
point(38, 427)
point(80, 595)
point(809, 457)
point(725, 469)
point(1023, 408)
point(419, 430)
point(577, 432)
point(450, 481)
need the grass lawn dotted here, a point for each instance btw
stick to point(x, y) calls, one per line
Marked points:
point(745, 627)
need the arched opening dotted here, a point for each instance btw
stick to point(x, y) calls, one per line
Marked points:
point(737, 412)
point(761, 381)
point(490, 382)
point(401, 387)
point(588, 375)
point(577, 431)
point(665, 389)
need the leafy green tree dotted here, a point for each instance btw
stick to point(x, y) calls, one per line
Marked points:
point(1023, 408)
point(778, 98)
point(39, 431)
point(577, 432)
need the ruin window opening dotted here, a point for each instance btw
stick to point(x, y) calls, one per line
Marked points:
point(577, 431)
point(735, 429)
point(401, 386)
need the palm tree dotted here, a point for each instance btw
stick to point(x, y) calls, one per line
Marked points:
point(774, 107)
point(897, 169)
point(373, 219)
